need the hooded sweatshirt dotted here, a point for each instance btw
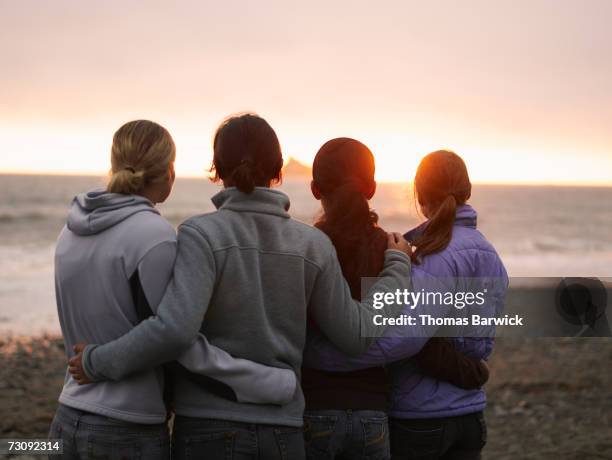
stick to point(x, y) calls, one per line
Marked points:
point(246, 276)
point(108, 241)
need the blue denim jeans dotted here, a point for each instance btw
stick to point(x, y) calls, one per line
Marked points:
point(194, 438)
point(89, 436)
point(448, 438)
point(346, 434)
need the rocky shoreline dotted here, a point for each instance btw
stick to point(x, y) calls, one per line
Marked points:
point(548, 398)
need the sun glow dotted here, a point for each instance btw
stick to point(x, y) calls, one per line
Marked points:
point(488, 82)
point(85, 151)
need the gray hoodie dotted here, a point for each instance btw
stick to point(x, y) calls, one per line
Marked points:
point(247, 276)
point(108, 238)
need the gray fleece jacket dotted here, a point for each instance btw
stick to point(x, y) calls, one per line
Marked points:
point(247, 276)
point(109, 239)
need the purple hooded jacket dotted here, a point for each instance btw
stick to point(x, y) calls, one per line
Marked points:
point(413, 394)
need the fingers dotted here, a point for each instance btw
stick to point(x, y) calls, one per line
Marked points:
point(79, 376)
point(393, 238)
point(76, 371)
point(397, 241)
point(75, 365)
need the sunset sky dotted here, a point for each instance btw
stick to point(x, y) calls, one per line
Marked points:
point(521, 89)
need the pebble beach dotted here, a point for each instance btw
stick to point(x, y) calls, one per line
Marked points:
point(548, 398)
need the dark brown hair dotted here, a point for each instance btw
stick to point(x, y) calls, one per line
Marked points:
point(441, 183)
point(343, 172)
point(247, 153)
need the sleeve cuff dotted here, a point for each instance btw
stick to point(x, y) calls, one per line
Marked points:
point(396, 254)
point(288, 388)
point(87, 365)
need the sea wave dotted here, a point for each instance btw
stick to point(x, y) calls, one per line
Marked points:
point(11, 217)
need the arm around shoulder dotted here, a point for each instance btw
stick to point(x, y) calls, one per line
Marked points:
point(175, 325)
point(348, 323)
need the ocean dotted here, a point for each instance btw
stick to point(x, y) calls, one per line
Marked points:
point(539, 231)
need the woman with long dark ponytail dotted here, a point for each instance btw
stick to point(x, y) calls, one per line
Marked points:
point(346, 411)
point(343, 178)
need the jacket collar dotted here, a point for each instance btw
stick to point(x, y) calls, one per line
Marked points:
point(262, 200)
point(466, 216)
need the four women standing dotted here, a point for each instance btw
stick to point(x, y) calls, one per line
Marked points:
point(133, 296)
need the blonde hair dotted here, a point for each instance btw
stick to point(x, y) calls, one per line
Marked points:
point(142, 152)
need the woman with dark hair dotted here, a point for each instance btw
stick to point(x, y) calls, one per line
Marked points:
point(246, 276)
point(346, 411)
point(431, 416)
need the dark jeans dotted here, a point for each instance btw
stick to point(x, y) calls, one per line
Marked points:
point(194, 438)
point(449, 438)
point(346, 434)
point(89, 436)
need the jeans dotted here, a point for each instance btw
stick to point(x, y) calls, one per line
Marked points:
point(346, 434)
point(195, 438)
point(448, 438)
point(89, 436)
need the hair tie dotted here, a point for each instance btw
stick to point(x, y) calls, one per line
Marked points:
point(130, 169)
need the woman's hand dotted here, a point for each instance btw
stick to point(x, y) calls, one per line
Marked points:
point(75, 365)
point(397, 241)
point(485, 371)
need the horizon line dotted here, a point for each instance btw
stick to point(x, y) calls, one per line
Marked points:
point(594, 184)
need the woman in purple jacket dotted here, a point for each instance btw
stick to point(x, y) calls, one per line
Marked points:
point(431, 418)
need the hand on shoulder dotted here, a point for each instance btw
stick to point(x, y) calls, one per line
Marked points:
point(398, 242)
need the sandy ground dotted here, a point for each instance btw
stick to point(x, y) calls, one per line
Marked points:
point(548, 398)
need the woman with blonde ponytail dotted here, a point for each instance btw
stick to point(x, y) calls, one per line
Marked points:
point(434, 411)
point(142, 155)
point(114, 259)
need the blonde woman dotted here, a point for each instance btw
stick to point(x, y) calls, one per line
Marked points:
point(113, 261)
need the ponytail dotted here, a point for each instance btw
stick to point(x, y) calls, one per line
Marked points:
point(439, 230)
point(126, 181)
point(343, 174)
point(243, 178)
point(352, 228)
point(348, 217)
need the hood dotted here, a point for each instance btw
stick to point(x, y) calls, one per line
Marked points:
point(95, 211)
point(466, 216)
